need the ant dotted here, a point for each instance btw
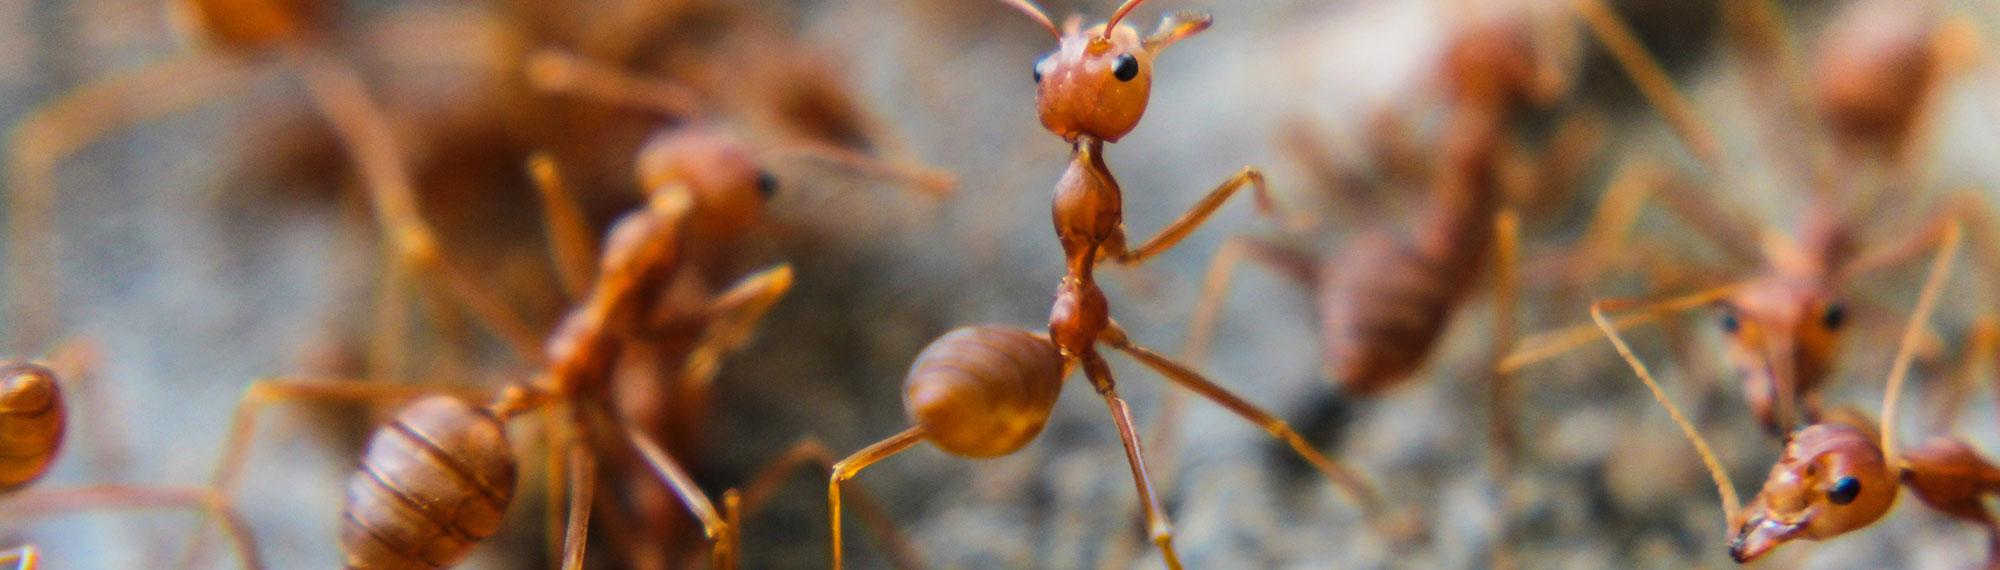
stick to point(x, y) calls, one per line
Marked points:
point(985, 392)
point(1784, 324)
point(34, 417)
point(1384, 301)
point(445, 450)
point(1841, 474)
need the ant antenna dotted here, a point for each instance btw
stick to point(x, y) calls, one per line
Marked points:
point(1119, 15)
point(1906, 351)
point(1731, 506)
point(1028, 7)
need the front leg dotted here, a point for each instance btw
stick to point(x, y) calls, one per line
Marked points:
point(1115, 250)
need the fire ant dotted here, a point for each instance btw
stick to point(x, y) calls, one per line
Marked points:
point(1784, 324)
point(1841, 474)
point(1383, 302)
point(986, 391)
point(34, 417)
point(439, 477)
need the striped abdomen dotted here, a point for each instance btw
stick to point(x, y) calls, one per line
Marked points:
point(31, 423)
point(432, 484)
point(1382, 309)
point(983, 391)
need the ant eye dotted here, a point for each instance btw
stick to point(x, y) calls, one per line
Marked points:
point(1729, 322)
point(1128, 68)
point(1844, 491)
point(767, 185)
point(1836, 315)
point(1038, 69)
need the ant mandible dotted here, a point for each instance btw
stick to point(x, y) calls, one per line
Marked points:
point(986, 391)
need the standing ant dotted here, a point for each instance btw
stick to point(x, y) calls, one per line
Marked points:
point(1784, 324)
point(1840, 474)
point(34, 417)
point(984, 391)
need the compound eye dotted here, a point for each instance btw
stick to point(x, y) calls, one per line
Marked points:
point(1730, 324)
point(1038, 69)
point(1844, 491)
point(767, 185)
point(1128, 68)
point(1836, 315)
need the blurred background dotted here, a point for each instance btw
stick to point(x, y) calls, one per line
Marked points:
point(230, 241)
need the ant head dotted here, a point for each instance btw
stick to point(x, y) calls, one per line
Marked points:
point(730, 188)
point(1098, 81)
point(243, 24)
point(1496, 60)
point(1831, 480)
point(27, 387)
point(1781, 332)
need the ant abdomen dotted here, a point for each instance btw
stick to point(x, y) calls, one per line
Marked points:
point(432, 484)
point(31, 423)
point(1382, 310)
point(983, 391)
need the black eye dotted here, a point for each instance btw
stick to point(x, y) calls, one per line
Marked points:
point(767, 185)
point(1836, 315)
point(1729, 322)
point(1128, 68)
point(1038, 69)
point(1844, 491)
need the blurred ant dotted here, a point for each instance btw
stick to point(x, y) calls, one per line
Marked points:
point(1384, 301)
point(438, 479)
point(985, 392)
point(1784, 324)
point(1841, 474)
point(34, 417)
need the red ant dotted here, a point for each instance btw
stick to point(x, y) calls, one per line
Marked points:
point(1841, 474)
point(1784, 324)
point(984, 391)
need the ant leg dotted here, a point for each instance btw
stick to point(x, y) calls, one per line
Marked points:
point(676, 479)
point(582, 474)
point(1356, 487)
point(25, 557)
point(1964, 210)
point(810, 452)
point(1506, 312)
point(1607, 238)
point(1652, 81)
point(732, 316)
point(571, 243)
point(921, 177)
point(1906, 349)
point(65, 126)
point(852, 466)
point(1188, 222)
point(1158, 527)
point(558, 71)
point(1543, 346)
point(340, 97)
point(1732, 507)
point(1295, 265)
point(48, 502)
